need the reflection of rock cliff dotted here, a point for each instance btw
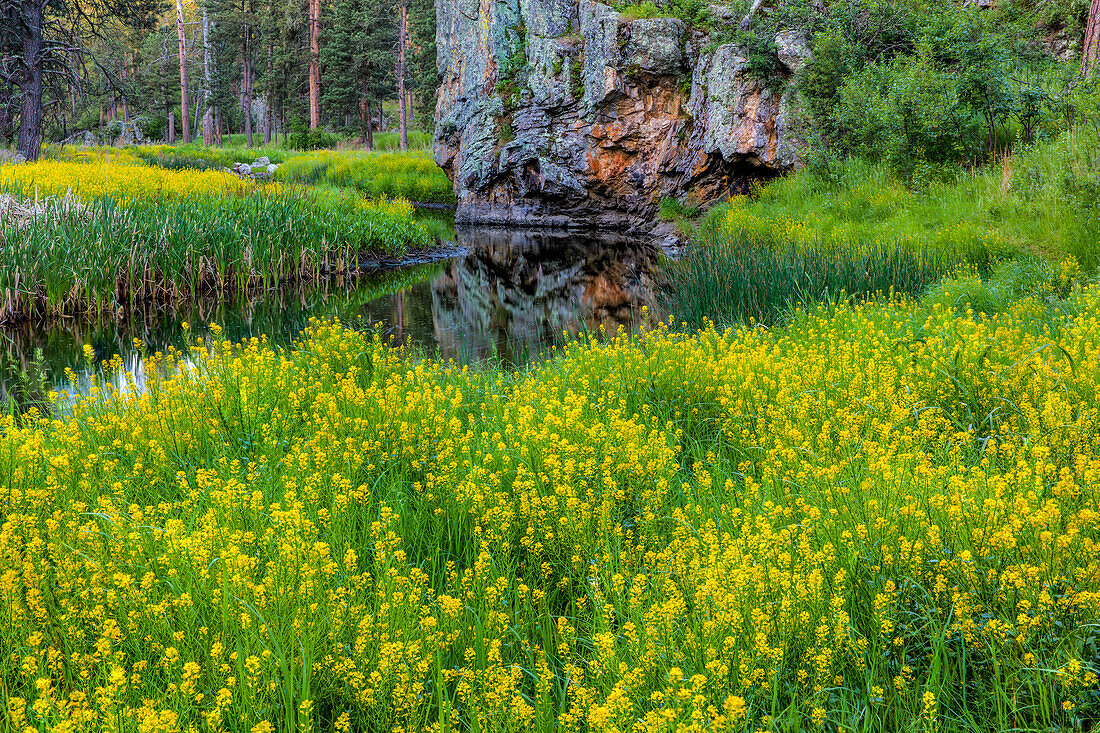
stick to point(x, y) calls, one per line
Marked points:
point(516, 292)
point(560, 111)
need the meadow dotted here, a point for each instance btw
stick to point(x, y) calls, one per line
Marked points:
point(411, 175)
point(109, 234)
point(880, 517)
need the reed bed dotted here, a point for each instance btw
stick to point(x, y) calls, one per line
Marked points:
point(413, 175)
point(883, 517)
point(737, 279)
point(109, 253)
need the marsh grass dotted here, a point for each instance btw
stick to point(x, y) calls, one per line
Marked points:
point(1042, 200)
point(730, 279)
point(107, 254)
point(858, 231)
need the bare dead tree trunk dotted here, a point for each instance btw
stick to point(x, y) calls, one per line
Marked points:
point(246, 75)
point(30, 111)
point(314, 64)
point(402, 40)
point(1091, 48)
point(184, 117)
point(746, 22)
point(208, 115)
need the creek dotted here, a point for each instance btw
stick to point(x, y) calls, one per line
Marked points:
point(504, 297)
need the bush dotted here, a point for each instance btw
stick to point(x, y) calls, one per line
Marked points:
point(906, 113)
point(155, 126)
point(312, 140)
point(925, 87)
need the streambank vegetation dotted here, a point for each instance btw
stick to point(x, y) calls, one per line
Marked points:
point(100, 238)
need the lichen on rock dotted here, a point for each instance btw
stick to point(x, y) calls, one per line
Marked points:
point(565, 112)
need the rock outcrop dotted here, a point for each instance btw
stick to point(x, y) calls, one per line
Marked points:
point(565, 112)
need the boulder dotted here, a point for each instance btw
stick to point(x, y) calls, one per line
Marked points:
point(793, 50)
point(590, 118)
point(263, 160)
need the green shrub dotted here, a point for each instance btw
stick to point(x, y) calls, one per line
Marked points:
point(907, 113)
point(926, 87)
point(637, 11)
point(673, 210)
point(312, 140)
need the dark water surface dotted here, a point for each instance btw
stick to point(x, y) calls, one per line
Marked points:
point(505, 298)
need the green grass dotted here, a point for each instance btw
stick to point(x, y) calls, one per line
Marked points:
point(194, 155)
point(105, 254)
point(1043, 200)
point(859, 231)
point(412, 175)
point(734, 279)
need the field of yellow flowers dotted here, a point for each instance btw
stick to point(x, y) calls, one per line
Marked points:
point(880, 517)
point(118, 177)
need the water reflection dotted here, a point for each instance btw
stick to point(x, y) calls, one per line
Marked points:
point(508, 297)
point(516, 292)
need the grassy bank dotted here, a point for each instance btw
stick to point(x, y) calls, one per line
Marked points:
point(859, 231)
point(411, 175)
point(129, 234)
point(883, 517)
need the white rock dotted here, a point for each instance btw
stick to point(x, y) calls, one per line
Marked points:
point(793, 49)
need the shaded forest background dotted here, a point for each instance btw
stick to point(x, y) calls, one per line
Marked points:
point(919, 85)
point(110, 70)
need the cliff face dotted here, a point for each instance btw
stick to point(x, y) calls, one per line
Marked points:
point(559, 112)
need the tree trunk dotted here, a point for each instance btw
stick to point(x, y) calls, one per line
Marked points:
point(314, 64)
point(1091, 48)
point(246, 80)
point(369, 122)
point(208, 115)
point(122, 80)
point(184, 117)
point(196, 130)
point(6, 114)
point(218, 123)
point(270, 108)
point(402, 40)
point(30, 111)
point(171, 128)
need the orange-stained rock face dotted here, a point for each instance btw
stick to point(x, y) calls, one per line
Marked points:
point(601, 120)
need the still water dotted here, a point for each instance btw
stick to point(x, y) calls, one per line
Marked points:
point(505, 297)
